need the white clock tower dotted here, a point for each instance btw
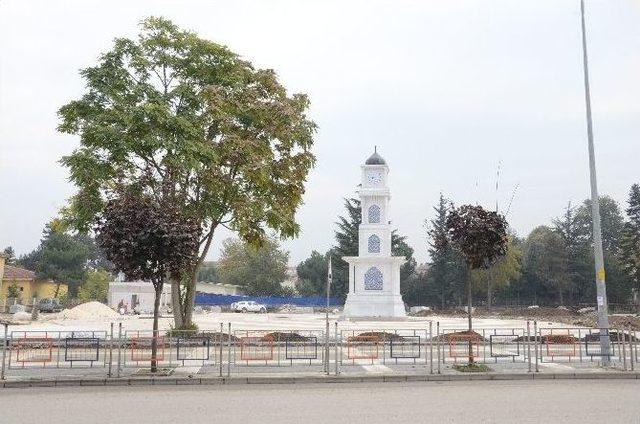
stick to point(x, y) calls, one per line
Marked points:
point(374, 275)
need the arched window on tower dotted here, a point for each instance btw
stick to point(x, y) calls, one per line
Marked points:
point(373, 279)
point(373, 244)
point(374, 214)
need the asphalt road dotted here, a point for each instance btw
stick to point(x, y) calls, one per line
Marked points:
point(548, 402)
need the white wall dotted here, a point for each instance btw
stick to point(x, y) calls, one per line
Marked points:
point(124, 291)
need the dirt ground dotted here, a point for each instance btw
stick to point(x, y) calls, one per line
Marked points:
point(272, 321)
point(565, 316)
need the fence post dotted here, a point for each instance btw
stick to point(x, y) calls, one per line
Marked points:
point(4, 348)
point(220, 343)
point(229, 352)
point(484, 346)
point(535, 342)
point(110, 350)
point(336, 349)
point(631, 352)
point(119, 348)
point(528, 339)
point(624, 350)
point(430, 347)
point(438, 343)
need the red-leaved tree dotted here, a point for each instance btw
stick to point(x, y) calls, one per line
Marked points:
point(147, 240)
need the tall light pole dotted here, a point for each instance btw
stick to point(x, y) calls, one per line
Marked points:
point(601, 289)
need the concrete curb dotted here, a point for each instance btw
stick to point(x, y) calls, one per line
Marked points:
point(389, 378)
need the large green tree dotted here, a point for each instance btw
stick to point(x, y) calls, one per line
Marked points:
point(545, 262)
point(204, 128)
point(347, 245)
point(259, 269)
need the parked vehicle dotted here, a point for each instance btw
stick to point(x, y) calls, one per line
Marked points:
point(49, 304)
point(248, 306)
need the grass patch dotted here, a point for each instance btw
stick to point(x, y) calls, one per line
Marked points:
point(472, 368)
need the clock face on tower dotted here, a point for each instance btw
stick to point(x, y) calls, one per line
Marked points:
point(374, 177)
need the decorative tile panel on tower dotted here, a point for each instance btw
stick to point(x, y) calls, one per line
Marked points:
point(374, 275)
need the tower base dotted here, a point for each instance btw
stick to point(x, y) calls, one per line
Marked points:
point(374, 305)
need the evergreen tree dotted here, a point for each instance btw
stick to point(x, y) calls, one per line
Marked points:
point(611, 219)
point(571, 228)
point(445, 277)
point(630, 240)
point(10, 255)
point(346, 245)
point(312, 274)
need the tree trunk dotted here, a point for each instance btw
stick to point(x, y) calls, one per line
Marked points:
point(190, 299)
point(561, 297)
point(183, 308)
point(156, 312)
point(489, 293)
point(176, 303)
point(469, 309)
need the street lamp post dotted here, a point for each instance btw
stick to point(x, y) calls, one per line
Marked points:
point(601, 289)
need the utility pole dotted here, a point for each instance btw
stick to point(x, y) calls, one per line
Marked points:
point(601, 289)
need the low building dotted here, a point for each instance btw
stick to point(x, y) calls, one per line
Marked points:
point(26, 284)
point(218, 288)
point(137, 295)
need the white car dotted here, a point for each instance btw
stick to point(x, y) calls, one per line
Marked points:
point(248, 306)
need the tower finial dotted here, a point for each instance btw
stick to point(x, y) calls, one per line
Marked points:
point(375, 148)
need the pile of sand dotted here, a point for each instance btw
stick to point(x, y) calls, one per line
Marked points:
point(89, 310)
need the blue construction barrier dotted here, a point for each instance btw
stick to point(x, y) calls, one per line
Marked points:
point(225, 300)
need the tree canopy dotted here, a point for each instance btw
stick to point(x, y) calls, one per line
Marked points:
point(260, 270)
point(205, 130)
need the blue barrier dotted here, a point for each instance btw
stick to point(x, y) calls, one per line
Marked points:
point(223, 299)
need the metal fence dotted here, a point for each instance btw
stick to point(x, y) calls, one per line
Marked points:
point(57, 349)
point(225, 350)
point(258, 350)
point(386, 347)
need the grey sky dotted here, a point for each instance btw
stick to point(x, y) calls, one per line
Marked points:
point(445, 89)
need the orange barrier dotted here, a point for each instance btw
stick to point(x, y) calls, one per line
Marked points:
point(256, 348)
point(355, 345)
point(459, 345)
point(29, 349)
point(141, 349)
point(560, 345)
